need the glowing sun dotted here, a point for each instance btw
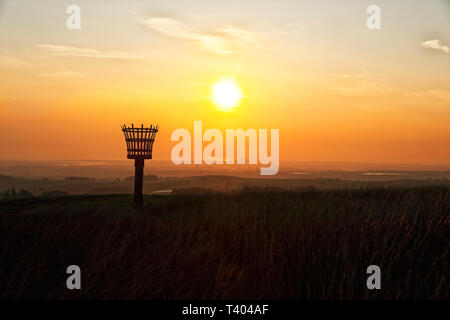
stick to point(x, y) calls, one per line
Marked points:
point(226, 94)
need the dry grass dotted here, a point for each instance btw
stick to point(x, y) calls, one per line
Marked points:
point(257, 244)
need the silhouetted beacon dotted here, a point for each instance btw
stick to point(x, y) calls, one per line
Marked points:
point(139, 147)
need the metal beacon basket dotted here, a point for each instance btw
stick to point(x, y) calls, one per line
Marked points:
point(139, 142)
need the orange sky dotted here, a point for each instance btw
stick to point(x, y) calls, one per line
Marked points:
point(336, 90)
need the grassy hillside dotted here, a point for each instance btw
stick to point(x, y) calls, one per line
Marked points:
point(258, 243)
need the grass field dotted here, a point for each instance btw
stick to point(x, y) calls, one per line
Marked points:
point(256, 244)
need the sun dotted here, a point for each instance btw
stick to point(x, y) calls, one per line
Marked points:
point(226, 94)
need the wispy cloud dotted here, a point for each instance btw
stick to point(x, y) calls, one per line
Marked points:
point(62, 74)
point(223, 40)
point(436, 45)
point(61, 50)
point(349, 78)
point(245, 36)
point(12, 62)
point(441, 94)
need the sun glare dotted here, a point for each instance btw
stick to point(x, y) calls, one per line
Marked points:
point(226, 94)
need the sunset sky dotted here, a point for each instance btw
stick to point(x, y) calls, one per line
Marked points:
point(336, 90)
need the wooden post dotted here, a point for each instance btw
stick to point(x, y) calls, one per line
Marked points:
point(138, 183)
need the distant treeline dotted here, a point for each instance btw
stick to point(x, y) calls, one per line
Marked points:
point(11, 194)
point(80, 178)
point(148, 177)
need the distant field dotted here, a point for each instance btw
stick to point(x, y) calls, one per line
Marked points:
point(155, 184)
point(259, 243)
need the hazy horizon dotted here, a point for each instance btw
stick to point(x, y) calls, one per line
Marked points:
point(112, 169)
point(124, 159)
